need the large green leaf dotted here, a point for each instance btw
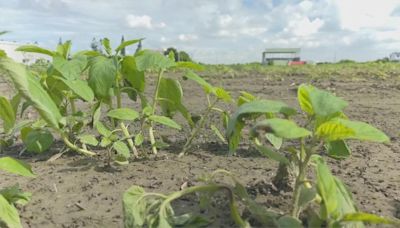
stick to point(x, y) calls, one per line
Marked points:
point(38, 141)
point(282, 128)
point(80, 88)
point(122, 149)
point(16, 166)
point(7, 114)
point(170, 96)
point(256, 107)
point(70, 69)
point(337, 129)
point(35, 49)
point(152, 60)
point(9, 214)
point(123, 114)
point(326, 186)
point(319, 102)
point(165, 121)
point(199, 80)
point(127, 43)
point(134, 207)
point(102, 74)
point(132, 74)
point(32, 91)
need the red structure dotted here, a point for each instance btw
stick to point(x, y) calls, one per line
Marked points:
point(296, 63)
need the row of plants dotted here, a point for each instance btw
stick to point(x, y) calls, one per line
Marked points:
point(78, 99)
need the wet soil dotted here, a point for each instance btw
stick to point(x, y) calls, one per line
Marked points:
point(75, 191)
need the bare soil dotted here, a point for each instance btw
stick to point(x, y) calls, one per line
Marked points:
point(75, 191)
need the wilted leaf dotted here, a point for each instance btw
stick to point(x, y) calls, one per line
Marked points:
point(134, 208)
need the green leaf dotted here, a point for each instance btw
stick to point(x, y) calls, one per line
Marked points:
point(282, 128)
point(102, 74)
point(122, 149)
point(7, 114)
point(134, 207)
point(106, 45)
point(165, 121)
point(80, 88)
point(151, 60)
point(35, 49)
point(15, 195)
point(190, 66)
point(127, 43)
point(289, 221)
point(32, 91)
point(303, 97)
point(223, 94)
point(326, 187)
point(132, 74)
point(70, 69)
point(63, 49)
point(105, 142)
point(337, 129)
point(306, 196)
point(16, 166)
point(123, 114)
point(338, 149)
point(236, 122)
point(370, 218)
point(9, 214)
point(245, 97)
point(218, 133)
point(38, 141)
point(103, 130)
point(139, 139)
point(275, 141)
point(267, 152)
point(199, 80)
point(88, 139)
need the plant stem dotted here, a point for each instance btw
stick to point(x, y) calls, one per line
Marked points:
point(206, 188)
point(129, 139)
point(197, 129)
point(73, 107)
point(155, 98)
point(77, 149)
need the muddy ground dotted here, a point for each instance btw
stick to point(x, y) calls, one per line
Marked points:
point(75, 191)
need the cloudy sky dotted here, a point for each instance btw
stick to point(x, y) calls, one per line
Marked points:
point(214, 31)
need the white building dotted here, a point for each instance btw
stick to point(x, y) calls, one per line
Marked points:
point(395, 56)
point(18, 56)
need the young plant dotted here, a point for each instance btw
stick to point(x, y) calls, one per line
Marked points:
point(143, 209)
point(10, 196)
point(324, 133)
point(218, 94)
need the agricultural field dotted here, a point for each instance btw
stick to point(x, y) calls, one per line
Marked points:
point(135, 141)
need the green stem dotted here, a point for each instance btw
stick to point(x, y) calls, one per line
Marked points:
point(73, 107)
point(205, 188)
point(197, 129)
point(77, 149)
point(129, 139)
point(155, 98)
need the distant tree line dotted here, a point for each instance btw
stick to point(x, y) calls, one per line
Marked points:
point(180, 56)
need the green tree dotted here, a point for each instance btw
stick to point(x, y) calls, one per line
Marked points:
point(184, 57)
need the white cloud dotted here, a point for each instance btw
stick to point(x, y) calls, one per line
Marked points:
point(143, 21)
point(303, 26)
point(224, 20)
point(187, 37)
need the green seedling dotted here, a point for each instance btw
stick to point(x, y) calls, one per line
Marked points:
point(324, 133)
point(143, 209)
point(10, 196)
point(214, 96)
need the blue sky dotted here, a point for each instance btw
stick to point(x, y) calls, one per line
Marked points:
point(218, 31)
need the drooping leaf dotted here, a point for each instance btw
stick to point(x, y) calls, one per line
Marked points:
point(274, 140)
point(38, 141)
point(31, 90)
point(306, 195)
point(333, 131)
point(370, 218)
point(218, 133)
point(132, 74)
point(134, 207)
point(303, 97)
point(9, 214)
point(151, 60)
point(106, 44)
point(16, 166)
point(123, 114)
point(102, 74)
point(127, 43)
point(190, 66)
point(70, 69)
point(199, 80)
point(269, 153)
point(338, 149)
point(122, 149)
point(245, 97)
point(282, 128)
point(15, 195)
point(64, 49)
point(289, 221)
point(165, 121)
point(327, 188)
point(223, 94)
point(7, 114)
point(35, 49)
